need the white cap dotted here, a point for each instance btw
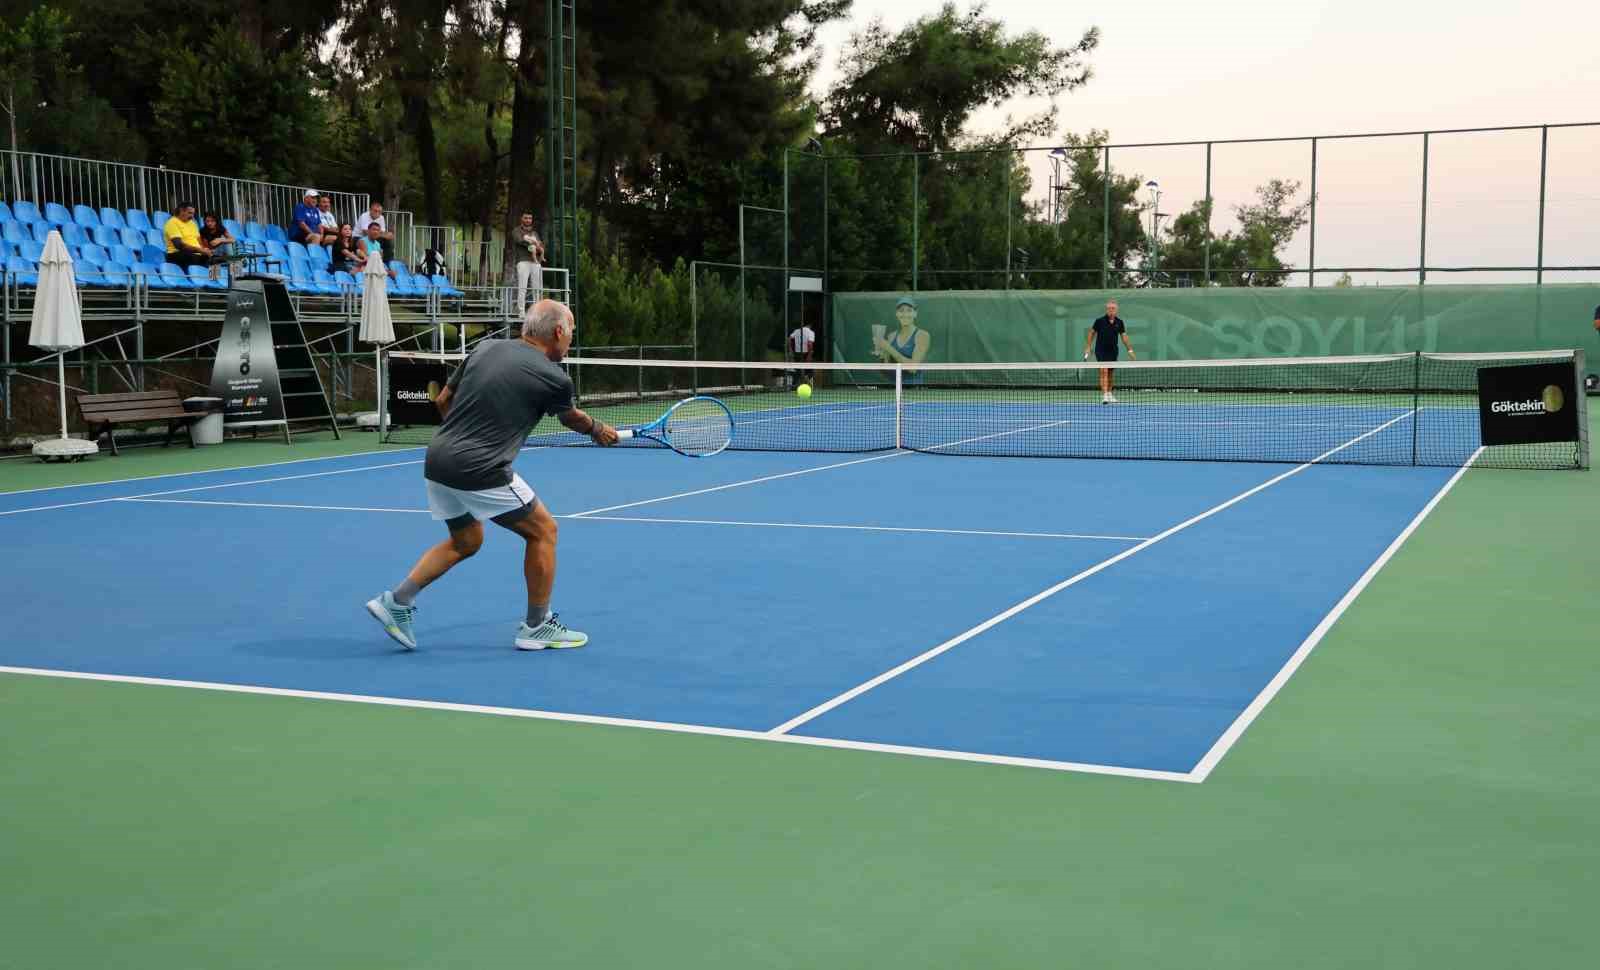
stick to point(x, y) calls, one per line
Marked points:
point(311, 193)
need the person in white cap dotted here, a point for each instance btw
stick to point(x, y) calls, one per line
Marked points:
point(307, 225)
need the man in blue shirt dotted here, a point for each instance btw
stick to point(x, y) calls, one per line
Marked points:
point(1102, 336)
point(307, 225)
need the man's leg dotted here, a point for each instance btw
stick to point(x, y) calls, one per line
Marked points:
point(541, 630)
point(394, 610)
point(466, 538)
point(524, 273)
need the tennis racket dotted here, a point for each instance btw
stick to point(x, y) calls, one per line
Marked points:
point(698, 427)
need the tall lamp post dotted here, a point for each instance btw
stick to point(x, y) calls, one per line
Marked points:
point(1155, 227)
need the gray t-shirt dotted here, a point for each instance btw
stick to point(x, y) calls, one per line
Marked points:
point(496, 397)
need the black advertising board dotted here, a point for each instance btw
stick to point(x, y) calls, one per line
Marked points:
point(245, 375)
point(1528, 403)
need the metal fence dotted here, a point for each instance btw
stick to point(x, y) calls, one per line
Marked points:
point(32, 177)
point(1506, 204)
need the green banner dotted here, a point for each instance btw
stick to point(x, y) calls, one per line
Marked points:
point(1194, 324)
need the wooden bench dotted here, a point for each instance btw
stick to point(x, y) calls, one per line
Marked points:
point(103, 412)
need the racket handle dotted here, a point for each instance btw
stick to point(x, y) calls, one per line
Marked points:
point(624, 433)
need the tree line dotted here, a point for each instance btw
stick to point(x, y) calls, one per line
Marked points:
point(686, 107)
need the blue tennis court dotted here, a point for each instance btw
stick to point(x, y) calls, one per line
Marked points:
point(1116, 616)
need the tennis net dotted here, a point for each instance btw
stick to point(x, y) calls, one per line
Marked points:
point(1393, 409)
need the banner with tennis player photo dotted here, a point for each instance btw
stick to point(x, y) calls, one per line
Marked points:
point(245, 373)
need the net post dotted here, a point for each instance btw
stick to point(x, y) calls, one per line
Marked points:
point(899, 403)
point(383, 399)
point(1578, 361)
point(1416, 400)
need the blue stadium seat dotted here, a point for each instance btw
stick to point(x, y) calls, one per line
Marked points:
point(403, 283)
point(319, 256)
point(72, 234)
point(104, 236)
point(300, 277)
point(235, 228)
point(175, 278)
point(26, 212)
point(297, 249)
point(344, 279)
point(137, 220)
point(57, 213)
point(152, 237)
point(42, 230)
point(85, 216)
point(152, 254)
point(325, 283)
point(201, 278)
point(151, 275)
point(5, 213)
point(91, 255)
point(277, 234)
point(132, 238)
point(14, 232)
point(278, 251)
point(31, 251)
point(108, 275)
point(22, 272)
point(120, 254)
point(253, 230)
point(442, 284)
point(111, 218)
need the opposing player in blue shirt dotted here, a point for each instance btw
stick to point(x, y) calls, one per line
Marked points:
point(1102, 337)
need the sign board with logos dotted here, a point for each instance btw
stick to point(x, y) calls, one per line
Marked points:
point(1529, 403)
point(245, 374)
point(414, 384)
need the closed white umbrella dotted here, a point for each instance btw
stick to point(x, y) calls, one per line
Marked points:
point(58, 325)
point(377, 323)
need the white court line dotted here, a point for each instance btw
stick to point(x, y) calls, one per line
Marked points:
point(204, 488)
point(1040, 597)
point(1206, 764)
point(630, 518)
point(591, 517)
point(212, 471)
point(748, 481)
point(265, 505)
point(970, 756)
point(805, 471)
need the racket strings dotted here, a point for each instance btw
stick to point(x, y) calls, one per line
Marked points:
point(699, 427)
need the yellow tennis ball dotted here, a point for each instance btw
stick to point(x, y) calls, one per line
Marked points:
point(804, 390)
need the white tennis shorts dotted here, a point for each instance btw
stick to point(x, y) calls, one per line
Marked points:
point(448, 503)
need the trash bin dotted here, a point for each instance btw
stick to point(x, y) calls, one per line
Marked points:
point(208, 430)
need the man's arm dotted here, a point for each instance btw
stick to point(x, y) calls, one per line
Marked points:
point(1131, 354)
point(442, 402)
point(598, 431)
point(1088, 342)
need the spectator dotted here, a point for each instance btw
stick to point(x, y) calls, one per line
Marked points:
point(432, 263)
point(307, 227)
point(347, 249)
point(530, 261)
point(216, 239)
point(329, 222)
point(184, 246)
point(802, 345)
point(374, 217)
point(373, 241)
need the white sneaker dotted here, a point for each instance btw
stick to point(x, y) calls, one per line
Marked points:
point(1105, 397)
point(552, 634)
point(1111, 398)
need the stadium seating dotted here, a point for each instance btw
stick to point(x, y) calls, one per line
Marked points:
point(31, 251)
point(22, 271)
point(442, 284)
point(72, 234)
point(85, 217)
point(175, 278)
point(104, 236)
point(151, 273)
point(5, 213)
point(119, 254)
point(132, 238)
point(138, 220)
point(26, 212)
point(153, 237)
point(275, 233)
point(235, 228)
point(14, 232)
point(57, 214)
point(253, 230)
point(111, 218)
point(201, 278)
point(92, 254)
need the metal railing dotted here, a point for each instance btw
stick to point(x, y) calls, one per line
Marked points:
point(39, 178)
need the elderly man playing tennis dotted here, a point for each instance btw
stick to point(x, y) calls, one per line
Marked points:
point(490, 404)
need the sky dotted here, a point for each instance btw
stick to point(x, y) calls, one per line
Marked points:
point(1171, 71)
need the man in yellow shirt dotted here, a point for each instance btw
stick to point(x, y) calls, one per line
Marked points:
point(182, 233)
